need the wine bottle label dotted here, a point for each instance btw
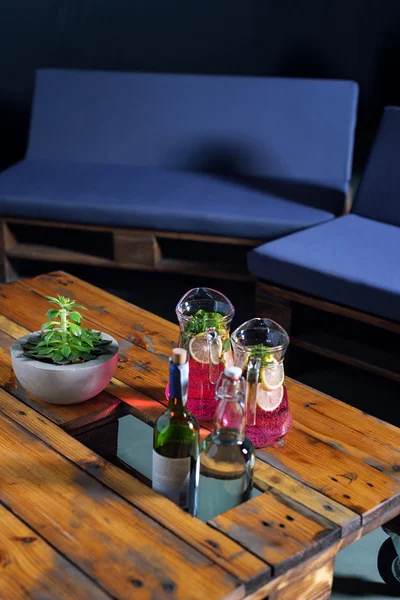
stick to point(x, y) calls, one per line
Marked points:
point(171, 478)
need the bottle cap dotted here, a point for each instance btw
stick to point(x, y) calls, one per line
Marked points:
point(233, 372)
point(179, 356)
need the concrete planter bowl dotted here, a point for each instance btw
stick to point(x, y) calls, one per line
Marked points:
point(64, 384)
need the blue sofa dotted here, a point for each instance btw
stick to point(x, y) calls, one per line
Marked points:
point(348, 266)
point(239, 157)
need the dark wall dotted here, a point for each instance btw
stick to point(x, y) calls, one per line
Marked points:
point(355, 39)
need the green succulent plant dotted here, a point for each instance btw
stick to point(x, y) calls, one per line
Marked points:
point(62, 339)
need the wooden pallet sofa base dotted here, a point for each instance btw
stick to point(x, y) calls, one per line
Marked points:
point(121, 249)
point(334, 331)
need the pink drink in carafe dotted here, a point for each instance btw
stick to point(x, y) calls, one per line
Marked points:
point(259, 347)
point(204, 318)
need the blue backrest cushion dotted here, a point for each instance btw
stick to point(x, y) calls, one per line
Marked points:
point(284, 129)
point(378, 195)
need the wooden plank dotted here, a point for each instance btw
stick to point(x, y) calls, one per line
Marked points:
point(167, 265)
point(294, 575)
point(335, 474)
point(277, 529)
point(335, 410)
point(320, 304)
point(30, 568)
point(159, 233)
point(350, 352)
point(12, 328)
point(70, 417)
point(347, 435)
point(141, 255)
point(316, 585)
point(214, 545)
point(55, 254)
point(215, 270)
point(136, 247)
point(7, 271)
point(9, 237)
point(267, 477)
point(110, 540)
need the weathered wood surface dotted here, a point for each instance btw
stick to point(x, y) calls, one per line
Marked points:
point(115, 544)
point(30, 568)
point(259, 525)
point(347, 416)
point(147, 374)
point(365, 438)
point(337, 475)
point(327, 477)
point(268, 478)
point(234, 559)
point(295, 575)
point(315, 585)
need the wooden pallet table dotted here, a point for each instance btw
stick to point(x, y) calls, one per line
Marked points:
point(74, 524)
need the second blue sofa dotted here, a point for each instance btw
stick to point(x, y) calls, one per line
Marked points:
point(349, 266)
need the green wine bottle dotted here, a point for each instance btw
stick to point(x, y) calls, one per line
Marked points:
point(176, 440)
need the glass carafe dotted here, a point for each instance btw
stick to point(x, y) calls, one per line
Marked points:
point(205, 317)
point(259, 347)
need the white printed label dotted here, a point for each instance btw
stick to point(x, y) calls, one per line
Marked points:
point(171, 478)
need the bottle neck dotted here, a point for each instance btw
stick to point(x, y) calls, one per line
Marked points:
point(230, 415)
point(178, 386)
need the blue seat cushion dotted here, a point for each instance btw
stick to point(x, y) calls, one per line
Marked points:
point(352, 261)
point(378, 193)
point(150, 198)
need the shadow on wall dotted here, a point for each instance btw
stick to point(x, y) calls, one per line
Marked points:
point(350, 39)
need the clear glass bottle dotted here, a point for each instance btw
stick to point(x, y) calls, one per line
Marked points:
point(176, 440)
point(226, 460)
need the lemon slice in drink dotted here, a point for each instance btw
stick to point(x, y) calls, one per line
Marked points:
point(272, 375)
point(198, 348)
point(269, 401)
